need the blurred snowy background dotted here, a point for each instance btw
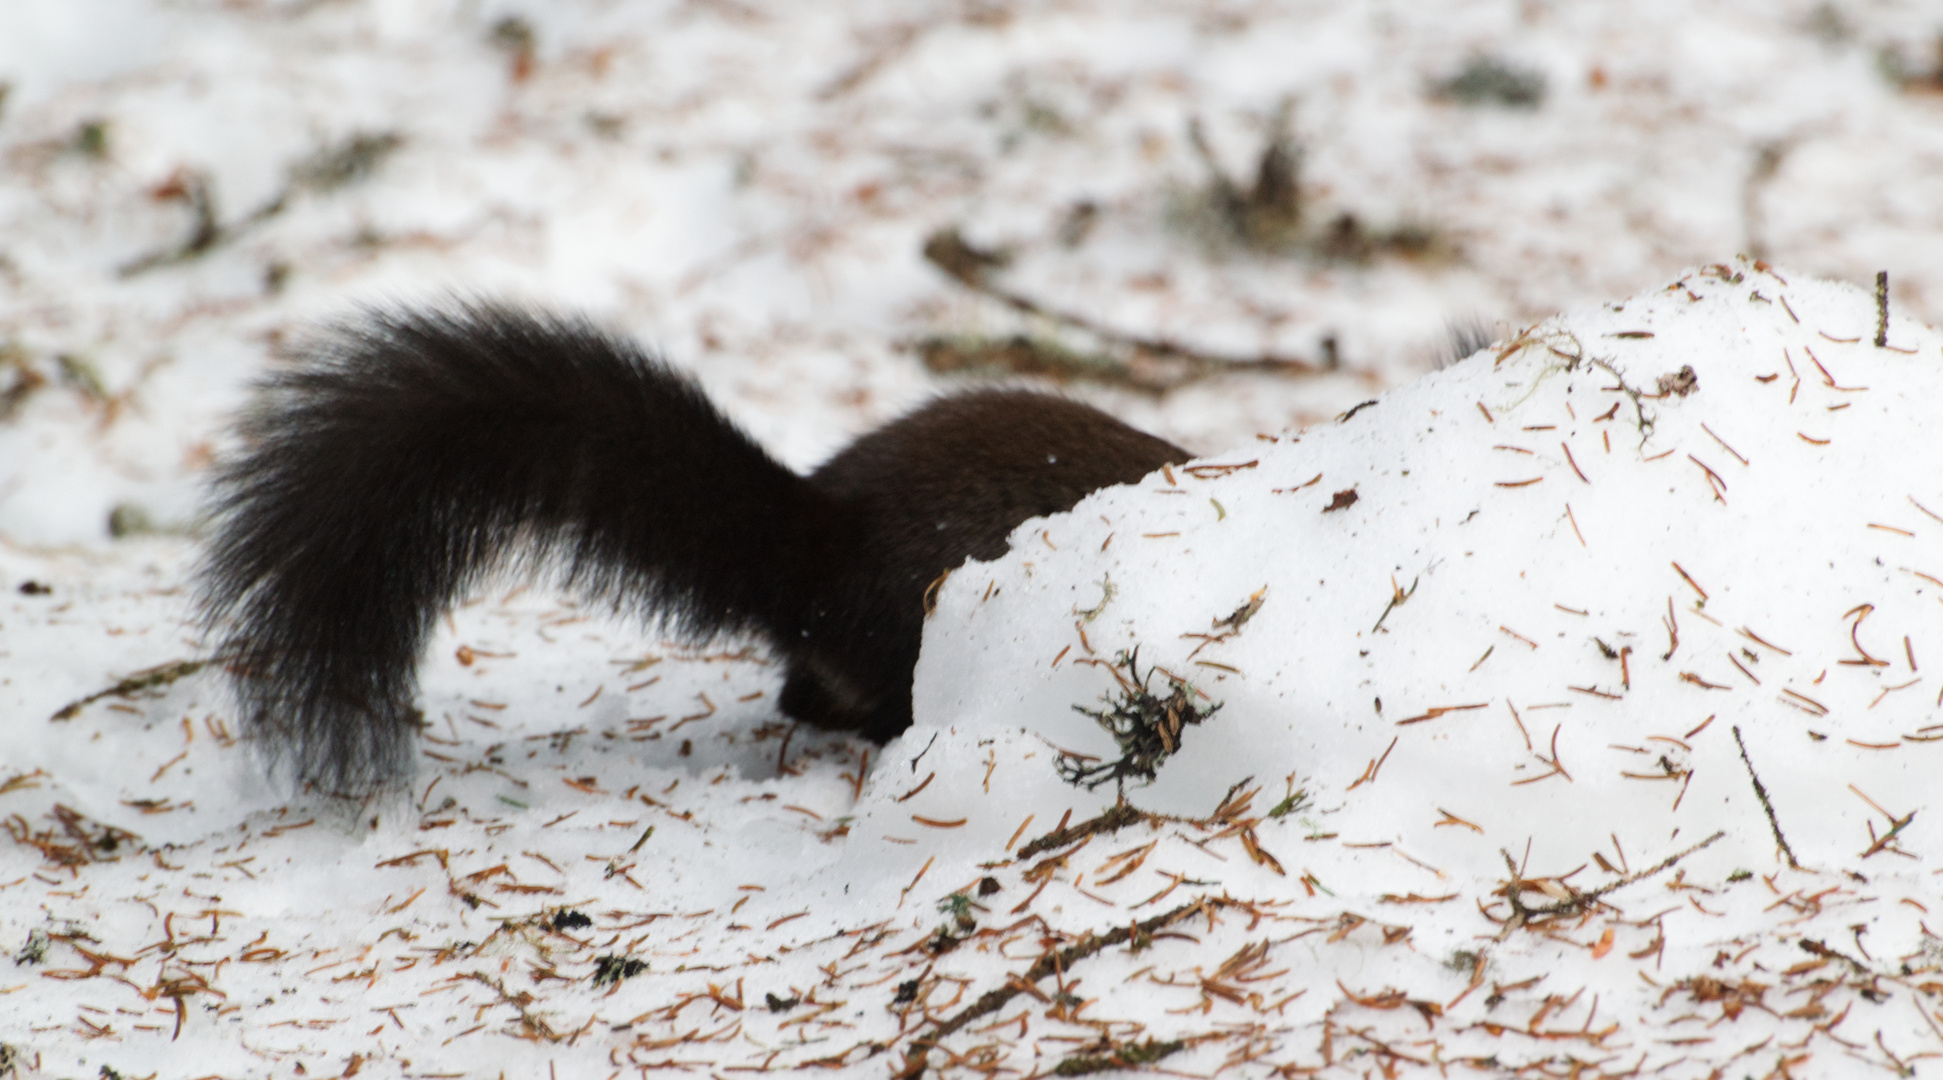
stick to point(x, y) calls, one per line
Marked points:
point(1130, 195)
point(1215, 219)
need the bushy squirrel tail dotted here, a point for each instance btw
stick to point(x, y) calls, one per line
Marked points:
point(411, 454)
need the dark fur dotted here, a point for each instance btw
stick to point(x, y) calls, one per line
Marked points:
point(413, 454)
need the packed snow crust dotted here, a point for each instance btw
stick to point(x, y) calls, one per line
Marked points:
point(1431, 824)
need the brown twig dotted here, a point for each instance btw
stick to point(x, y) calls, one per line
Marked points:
point(1060, 960)
point(1118, 817)
point(1153, 364)
point(1882, 308)
point(146, 679)
point(1761, 792)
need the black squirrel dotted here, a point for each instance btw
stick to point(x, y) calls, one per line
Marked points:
point(410, 454)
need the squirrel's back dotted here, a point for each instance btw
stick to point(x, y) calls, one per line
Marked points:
point(925, 492)
point(410, 454)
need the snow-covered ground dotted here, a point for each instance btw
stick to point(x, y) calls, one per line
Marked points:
point(1478, 726)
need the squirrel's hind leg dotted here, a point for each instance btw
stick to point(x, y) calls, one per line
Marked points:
point(806, 699)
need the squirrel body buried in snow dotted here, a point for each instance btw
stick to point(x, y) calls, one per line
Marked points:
point(410, 455)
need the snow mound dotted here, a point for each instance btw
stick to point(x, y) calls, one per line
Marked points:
point(1614, 527)
point(1648, 581)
